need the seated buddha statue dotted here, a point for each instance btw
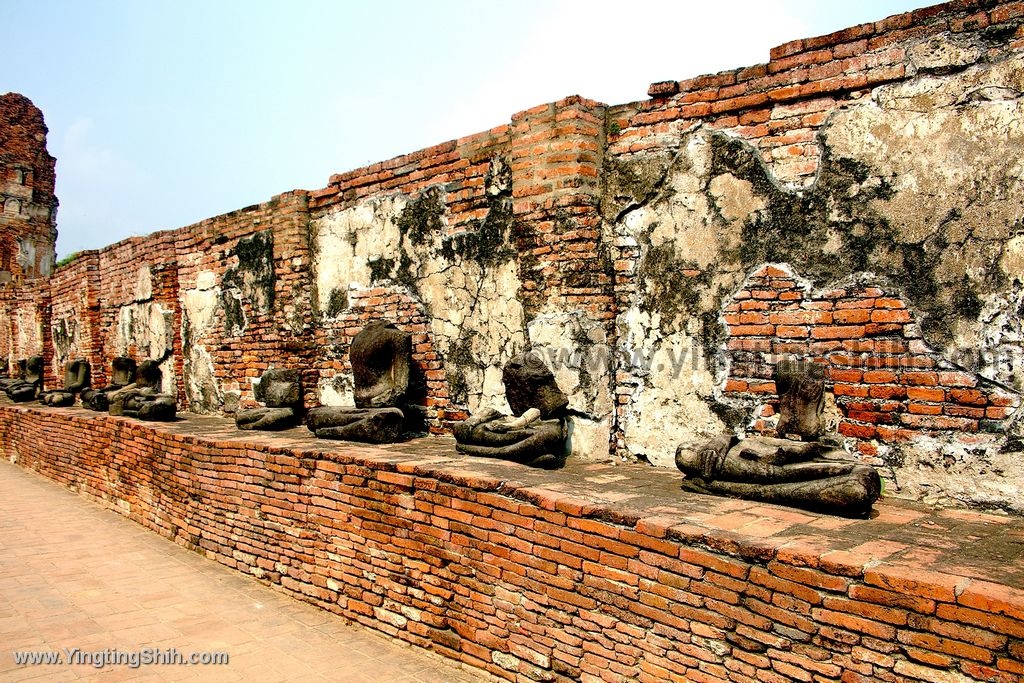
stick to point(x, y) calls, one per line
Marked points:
point(535, 434)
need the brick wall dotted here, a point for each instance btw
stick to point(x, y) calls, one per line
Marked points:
point(27, 203)
point(74, 317)
point(498, 566)
point(556, 158)
point(887, 382)
point(780, 105)
point(571, 253)
point(253, 264)
point(27, 312)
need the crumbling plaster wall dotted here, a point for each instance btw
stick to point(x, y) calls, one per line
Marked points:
point(918, 190)
point(467, 282)
point(873, 170)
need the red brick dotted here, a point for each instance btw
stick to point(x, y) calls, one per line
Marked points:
point(915, 582)
point(888, 392)
point(850, 390)
point(968, 397)
point(891, 316)
point(993, 597)
point(852, 316)
point(919, 378)
point(791, 331)
point(925, 394)
point(879, 377)
point(843, 374)
point(981, 637)
point(956, 648)
point(837, 332)
point(889, 598)
point(956, 379)
point(851, 622)
point(809, 577)
point(857, 431)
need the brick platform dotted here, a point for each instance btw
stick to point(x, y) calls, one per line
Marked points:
point(595, 572)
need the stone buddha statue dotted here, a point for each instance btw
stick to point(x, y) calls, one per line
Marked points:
point(30, 382)
point(381, 356)
point(143, 398)
point(802, 470)
point(280, 392)
point(535, 434)
point(76, 380)
point(122, 374)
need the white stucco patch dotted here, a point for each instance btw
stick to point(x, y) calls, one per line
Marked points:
point(200, 307)
point(347, 240)
point(670, 405)
point(576, 349)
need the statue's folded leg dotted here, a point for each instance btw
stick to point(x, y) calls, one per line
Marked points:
point(542, 446)
point(382, 425)
point(58, 399)
point(160, 409)
point(266, 419)
point(850, 494)
point(23, 394)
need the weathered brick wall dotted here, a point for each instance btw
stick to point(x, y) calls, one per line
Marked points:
point(779, 106)
point(74, 317)
point(825, 162)
point(499, 567)
point(556, 157)
point(623, 234)
point(26, 310)
point(244, 300)
point(28, 206)
point(887, 382)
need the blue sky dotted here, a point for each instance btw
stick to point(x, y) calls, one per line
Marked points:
point(165, 113)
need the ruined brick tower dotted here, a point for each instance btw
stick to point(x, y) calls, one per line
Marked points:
point(28, 206)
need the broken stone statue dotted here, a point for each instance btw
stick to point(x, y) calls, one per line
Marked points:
point(76, 380)
point(810, 474)
point(122, 374)
point(26, 387)
point(8, 379)
point(280, 392)
point(535, 435)
point(143, 398)
point(381, 356)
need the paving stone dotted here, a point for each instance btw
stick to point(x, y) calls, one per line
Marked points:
point(73, 574)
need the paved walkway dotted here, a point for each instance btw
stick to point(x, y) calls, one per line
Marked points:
point(74, 575)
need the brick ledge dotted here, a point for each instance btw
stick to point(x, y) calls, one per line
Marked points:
point(912, 573)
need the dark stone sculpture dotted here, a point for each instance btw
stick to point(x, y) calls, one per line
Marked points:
point(8, 379)
point(280, 391)
point(122, 374)
point(381, 356)
point(801, 389)
point(26, 387)
point(142, 398)
point(370, 425)
point(76, 379)
point(537, 436)
point(808, 475)
point(813, 474)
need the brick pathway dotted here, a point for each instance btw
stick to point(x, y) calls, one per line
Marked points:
point(73, 575)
